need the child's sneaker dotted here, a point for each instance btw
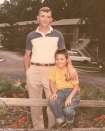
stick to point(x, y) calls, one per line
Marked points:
point(69, 126)
point(57, 126)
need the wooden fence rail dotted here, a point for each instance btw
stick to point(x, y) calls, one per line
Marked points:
point(74, 129)
point(44, 102)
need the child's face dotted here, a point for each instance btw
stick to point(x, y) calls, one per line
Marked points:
point(61, 61)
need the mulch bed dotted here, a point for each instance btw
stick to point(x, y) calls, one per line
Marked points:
point(15, 117)
point(19, 117)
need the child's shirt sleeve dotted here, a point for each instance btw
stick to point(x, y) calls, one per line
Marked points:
point(52, 74)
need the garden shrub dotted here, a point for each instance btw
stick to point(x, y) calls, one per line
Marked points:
point(85, 117)
point(12, 88)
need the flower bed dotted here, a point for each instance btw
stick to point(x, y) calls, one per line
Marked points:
point(19, 117)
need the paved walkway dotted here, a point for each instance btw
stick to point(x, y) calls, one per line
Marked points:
point(1, 58)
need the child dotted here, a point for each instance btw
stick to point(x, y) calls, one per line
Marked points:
point(63, 89)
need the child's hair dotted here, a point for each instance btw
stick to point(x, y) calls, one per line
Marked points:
point(62, 51)
point(45, 9)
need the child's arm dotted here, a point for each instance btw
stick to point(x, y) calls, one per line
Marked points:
point(53, 90)
point(74, 91)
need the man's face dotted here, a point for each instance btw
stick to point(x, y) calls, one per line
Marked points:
point(44, 18)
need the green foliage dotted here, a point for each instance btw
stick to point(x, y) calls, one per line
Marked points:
point(8, 87)
point(92, 93)
point(19, 10)
point(91, 11)
point(15, 38)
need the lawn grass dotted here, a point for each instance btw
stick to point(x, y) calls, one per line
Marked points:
point(86, 67)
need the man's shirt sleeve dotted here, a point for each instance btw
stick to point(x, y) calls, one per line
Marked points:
point(61, 43)
point(28, 43)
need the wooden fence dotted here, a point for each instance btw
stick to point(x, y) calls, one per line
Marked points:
point(43, 102)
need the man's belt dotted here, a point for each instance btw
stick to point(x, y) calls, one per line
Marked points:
point(41, 64)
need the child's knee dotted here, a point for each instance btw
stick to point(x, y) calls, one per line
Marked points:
point(69, 111)
point(51, 103)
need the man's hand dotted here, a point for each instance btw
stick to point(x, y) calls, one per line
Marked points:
point(53, 97)
point(68, 77)
point(68, 101)
point(26, 59)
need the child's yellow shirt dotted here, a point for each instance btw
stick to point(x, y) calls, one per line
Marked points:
point(59, 76)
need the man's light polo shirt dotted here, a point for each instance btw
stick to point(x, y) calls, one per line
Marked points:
point(58, 75)
point(44, 46)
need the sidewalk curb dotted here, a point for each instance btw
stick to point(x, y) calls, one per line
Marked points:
point(87, 71)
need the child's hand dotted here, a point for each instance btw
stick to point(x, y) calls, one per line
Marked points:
point(53, 97)
point(68, 77)
point(68, 101)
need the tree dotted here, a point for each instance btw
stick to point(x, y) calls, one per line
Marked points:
point(19, 10)
point(15, 38)
point(93, 12)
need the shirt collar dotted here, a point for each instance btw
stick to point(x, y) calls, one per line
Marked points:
point(51, 29)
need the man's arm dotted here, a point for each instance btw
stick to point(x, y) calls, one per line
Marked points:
point(69, 62)
point(26, 59)
point(71, 70)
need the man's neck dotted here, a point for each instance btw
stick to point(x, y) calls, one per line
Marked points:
point(44, 29)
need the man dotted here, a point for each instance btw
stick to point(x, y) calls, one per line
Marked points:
point(42, 44)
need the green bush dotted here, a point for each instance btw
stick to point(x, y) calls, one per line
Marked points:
point(92, 93)
point(10, 88)
point(14, 38)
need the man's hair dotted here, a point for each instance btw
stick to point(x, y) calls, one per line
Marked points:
point(62, 51)
point(45, 9)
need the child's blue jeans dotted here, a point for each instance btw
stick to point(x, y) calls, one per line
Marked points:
point(68, 111)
